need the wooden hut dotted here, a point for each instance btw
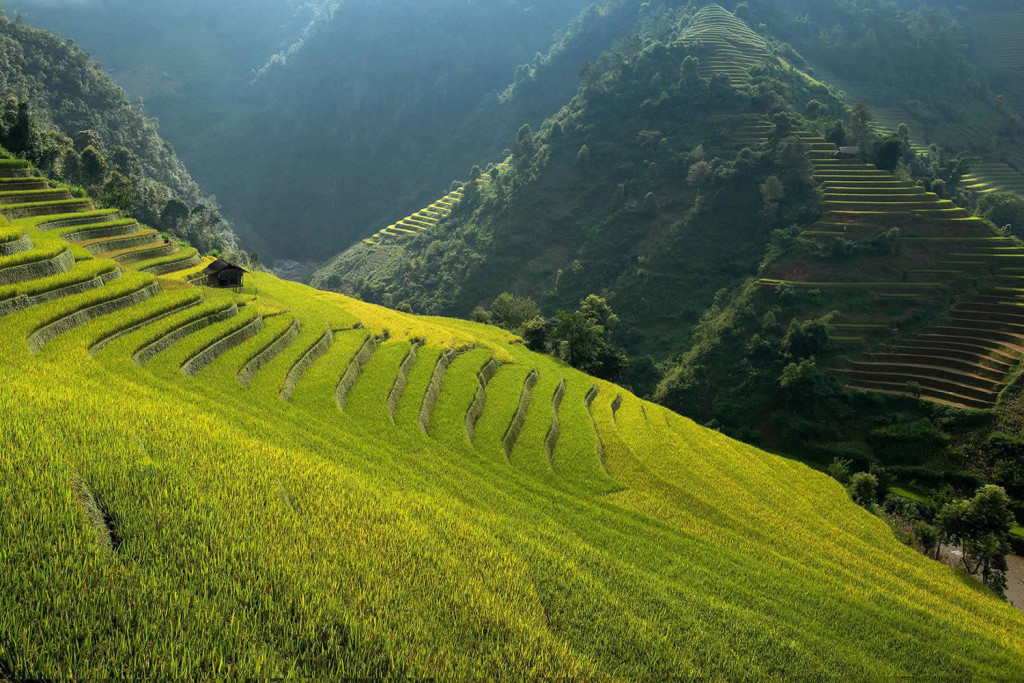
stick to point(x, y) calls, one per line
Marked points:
point(224, 275)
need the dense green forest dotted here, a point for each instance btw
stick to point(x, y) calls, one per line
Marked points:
point(66, 115)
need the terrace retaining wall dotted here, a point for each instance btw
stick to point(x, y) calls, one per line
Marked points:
point(16, 246)
point(174, 266)
point(71, 222)
point(551, 440)
point(37, 270)
point(401, 379)
point(355, 367)
point(106, 341)
point(589, 401)
point(476, 408)
point(89, 285)
point(272, 351)
point(433, 391)
point(40, 337)
point(519, 419)
point(146, 353)
point(194, 365)
point(314, 353)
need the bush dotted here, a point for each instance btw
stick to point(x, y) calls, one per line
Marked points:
point(1003, 208)
point(864, 489)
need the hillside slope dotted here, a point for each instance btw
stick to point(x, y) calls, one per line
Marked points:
point(283, 481)
point(57, 103)
point(602, 199)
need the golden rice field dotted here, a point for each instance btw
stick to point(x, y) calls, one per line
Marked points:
point(336, 489)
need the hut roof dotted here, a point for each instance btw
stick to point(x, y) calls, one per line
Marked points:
point(221, 265)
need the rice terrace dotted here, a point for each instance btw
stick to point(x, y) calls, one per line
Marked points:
point(712, 372)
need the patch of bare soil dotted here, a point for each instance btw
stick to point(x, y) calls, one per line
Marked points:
point(1014, 575)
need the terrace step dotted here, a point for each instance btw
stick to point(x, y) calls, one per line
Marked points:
point(94, 218)
point(43, 264)
point(17, 184)
point(88, 277)
point(937, 396)
point(940, 371)
point(16, 211)
point(33, 196)
point(137, 254)
point(118, 301)
point(997, 362)
point(927, 381)
point(140, 238)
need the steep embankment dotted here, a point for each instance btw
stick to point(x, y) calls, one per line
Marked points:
point(283, 481)
point(647, 188)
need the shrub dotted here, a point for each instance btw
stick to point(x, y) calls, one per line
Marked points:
point(839, 470)
point(864, 489)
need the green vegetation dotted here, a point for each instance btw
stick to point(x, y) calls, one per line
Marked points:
point(62, 112)
point(205, 528)
point(667, 212)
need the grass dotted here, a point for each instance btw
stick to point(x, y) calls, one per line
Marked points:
point(160, 526)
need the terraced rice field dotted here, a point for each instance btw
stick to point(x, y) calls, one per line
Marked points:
point(887, 120)
point(968, 355)
point(999, 41)
point(725, 45)
point(204, 483)
point(424, 219)
point(995, 177)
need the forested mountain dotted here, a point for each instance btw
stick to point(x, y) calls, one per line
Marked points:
point(601, 198)
point(362, 109)
point(62, 111)
point(688, 185)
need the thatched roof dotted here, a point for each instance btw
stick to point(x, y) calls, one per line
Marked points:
point(220, 265)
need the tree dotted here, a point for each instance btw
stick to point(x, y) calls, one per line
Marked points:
point(699, 174)
point(94, 167)
point(88, 138)
point(174, 214)
point(125, 161)
point(691, 70)
point(512, 312)
point(807, 339)
point(583, 157)
point(19, 137)
point(597, 310)
point(119, 192)
point(837, 134)
point(579, 339)
point(772, 190)
point(523, 147)
point(981, 528)
point(651, 207)
point(536, 332)
point(888, 153)
point(1003, 208)
point(864, 489)
point(860, 122)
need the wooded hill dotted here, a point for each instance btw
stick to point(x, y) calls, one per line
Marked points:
point(63, 112)
point(703, 200)
point(285, 482)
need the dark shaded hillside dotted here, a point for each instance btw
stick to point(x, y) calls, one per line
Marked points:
point(68, 104)
point(602, 198)
point(381, 106)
